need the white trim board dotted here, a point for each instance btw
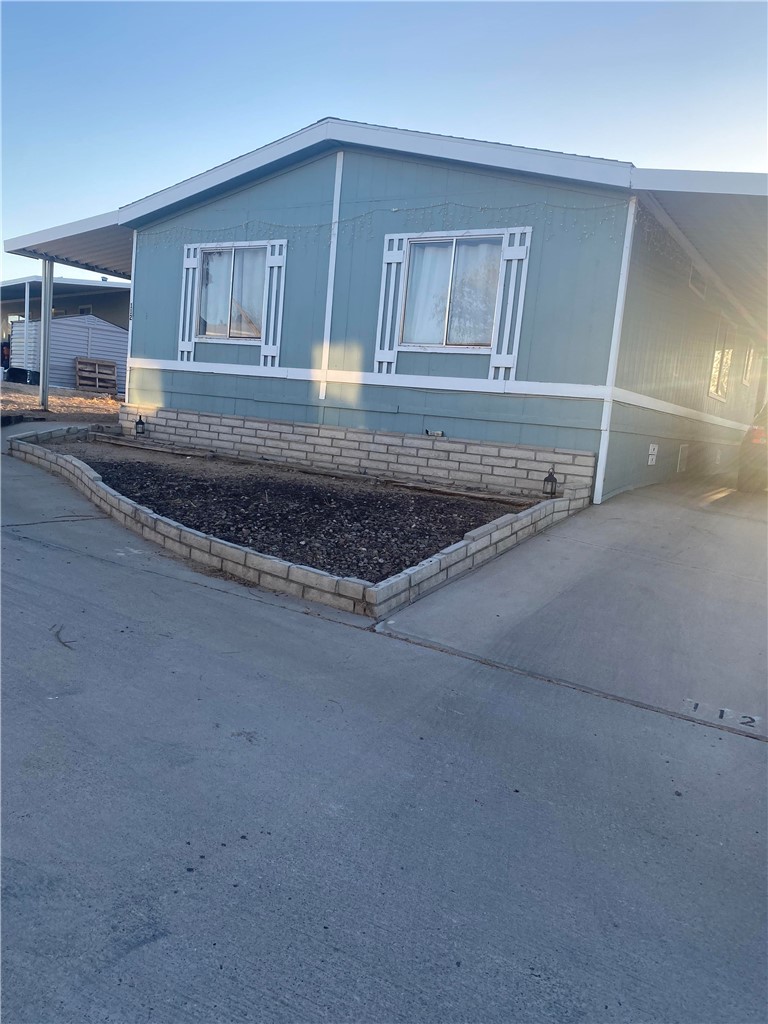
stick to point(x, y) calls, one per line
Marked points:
point(533, 389)
point(130, 316)
point(326, 353)
point(613, 357)
point(549, 163)
point(330, 130)
point(624, 397)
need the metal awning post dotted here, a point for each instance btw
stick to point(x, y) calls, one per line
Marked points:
point(26, 322)
point(46, 306)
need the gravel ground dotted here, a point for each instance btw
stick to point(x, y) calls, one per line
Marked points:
point(346, 526)
point(63, 404)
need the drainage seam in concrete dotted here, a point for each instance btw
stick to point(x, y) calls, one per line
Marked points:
point(554, 681)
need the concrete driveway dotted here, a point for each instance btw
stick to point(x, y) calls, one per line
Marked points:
point(220, 806)
point(656, 597)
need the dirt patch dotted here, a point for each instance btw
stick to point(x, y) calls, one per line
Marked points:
point(63, 404)
point(346, 526)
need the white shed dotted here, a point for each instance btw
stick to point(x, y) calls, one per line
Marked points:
point(71, 337)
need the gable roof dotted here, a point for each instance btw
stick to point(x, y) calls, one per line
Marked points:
point(686, 198)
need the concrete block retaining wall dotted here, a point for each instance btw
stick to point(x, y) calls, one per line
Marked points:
point(345, 593)
point(415, 458)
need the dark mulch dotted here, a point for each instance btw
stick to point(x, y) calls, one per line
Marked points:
point(349, 527)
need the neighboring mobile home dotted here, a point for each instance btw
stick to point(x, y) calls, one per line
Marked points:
point(90, 320)
point(525, 306)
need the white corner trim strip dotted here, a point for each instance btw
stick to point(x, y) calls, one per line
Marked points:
point(613, 356)
point(326, 356)
point(130, 315)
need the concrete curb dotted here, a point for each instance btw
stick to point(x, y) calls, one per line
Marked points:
point(376, 601)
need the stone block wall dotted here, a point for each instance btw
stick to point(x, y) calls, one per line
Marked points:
point(415, 458)
point(274, 574)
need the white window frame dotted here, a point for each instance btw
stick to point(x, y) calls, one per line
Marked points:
point(453, 236)
point(505, 337)
point(229, 247)
point(84, 310)
point(723, 342)
point(272, 304)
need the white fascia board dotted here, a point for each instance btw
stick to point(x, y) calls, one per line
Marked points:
point(218, 176)
point(488, 154)
point(76, 227)
point(730, 183)
point(351, 133)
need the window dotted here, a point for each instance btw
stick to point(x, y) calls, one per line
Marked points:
point(450, 296)
point(84, 310)
point(232, 293)
point(721, 362)
point(749, 365)
point(453, 291)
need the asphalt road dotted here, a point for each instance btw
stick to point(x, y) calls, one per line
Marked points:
point(220, 806)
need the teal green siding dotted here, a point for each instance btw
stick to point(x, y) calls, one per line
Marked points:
point(549, 422)
point(440, 364)
point(669, 331)
point(218, 352)
point(575, 256)
point(296, 205)
point(712, 448)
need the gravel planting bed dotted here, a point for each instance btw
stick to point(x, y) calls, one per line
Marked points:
point(341, 525)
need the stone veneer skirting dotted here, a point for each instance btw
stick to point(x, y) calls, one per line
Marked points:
point(273, 574)
point(415, 458)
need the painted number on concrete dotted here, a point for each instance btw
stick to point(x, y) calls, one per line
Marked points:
point(714, 714)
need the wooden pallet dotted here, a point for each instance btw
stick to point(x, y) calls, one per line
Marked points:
point(96, 375)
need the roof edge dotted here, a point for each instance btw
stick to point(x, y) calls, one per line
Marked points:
point(593, 170)
point(75, 227)
point(734, 183)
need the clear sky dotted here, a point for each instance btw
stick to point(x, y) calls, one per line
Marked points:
point(103, 103)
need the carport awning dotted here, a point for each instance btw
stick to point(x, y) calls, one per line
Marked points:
point(99, 243)
point(730, 232)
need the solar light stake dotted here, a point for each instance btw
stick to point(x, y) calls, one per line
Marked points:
point(140, 426)
point(550, 483)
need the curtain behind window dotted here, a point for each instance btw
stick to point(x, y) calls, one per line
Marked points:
point(473, 293)
point(248, 293)
point(214, 294)
point(427, 295)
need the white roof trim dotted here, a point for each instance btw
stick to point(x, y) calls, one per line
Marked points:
point(76, 227)
point(593, 170)
point(732, 183)
point(353, 133)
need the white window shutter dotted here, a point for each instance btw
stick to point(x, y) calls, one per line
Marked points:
point(274, 289)
point(511, 295)
point(188, 303)
point(390, 303)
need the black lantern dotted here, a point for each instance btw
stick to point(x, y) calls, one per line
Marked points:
point(140, 426)
point(550, 483)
